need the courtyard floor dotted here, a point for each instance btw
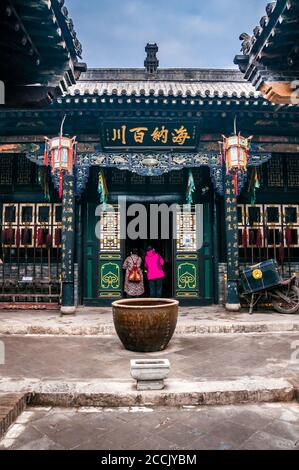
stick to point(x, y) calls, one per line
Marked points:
point(261, 349)
point(261, 427)
point(201, 357)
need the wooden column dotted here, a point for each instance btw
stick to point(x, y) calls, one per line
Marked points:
point(231, 223)
point(68, 246)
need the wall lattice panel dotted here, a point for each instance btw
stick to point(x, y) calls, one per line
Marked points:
point(186, 231)
point(118, 177)
point(6, 173)
point(268, 230)
point(293, 172)
point(275, 172)
point(176, 178)
point(24, 171)
point(30, 217)
point(137, 180)
point(157, 180)
point(110, 231)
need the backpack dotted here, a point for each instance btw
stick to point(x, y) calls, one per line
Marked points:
point(134, 274)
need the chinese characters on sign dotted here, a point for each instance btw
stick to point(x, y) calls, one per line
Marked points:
point(232, 230)
point(131, 135)
point(68, 208)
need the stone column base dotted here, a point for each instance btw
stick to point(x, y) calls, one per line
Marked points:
point(233, 307)
point(67, 310)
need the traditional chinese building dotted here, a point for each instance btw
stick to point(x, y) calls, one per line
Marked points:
point(149, 135)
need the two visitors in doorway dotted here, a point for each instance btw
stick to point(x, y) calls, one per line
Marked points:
point(134, 281)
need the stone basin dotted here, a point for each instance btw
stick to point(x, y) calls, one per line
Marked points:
point(145, 325)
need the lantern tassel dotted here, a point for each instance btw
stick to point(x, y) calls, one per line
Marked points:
point(46, 153)
point(235, 183)
point(60, 183)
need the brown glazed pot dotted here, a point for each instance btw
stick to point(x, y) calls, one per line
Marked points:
point(145, 325)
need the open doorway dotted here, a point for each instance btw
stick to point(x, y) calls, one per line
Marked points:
point(162, 246)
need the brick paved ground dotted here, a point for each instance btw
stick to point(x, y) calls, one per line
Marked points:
point(269, 426)
point(206, 357)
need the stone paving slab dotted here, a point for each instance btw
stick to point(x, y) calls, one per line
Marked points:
point(201, 358)
point(262, 427)
point(98, 321)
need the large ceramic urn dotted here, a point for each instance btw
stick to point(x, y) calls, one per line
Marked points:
point(145, 325)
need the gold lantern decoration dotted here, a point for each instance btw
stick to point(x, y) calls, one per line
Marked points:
point(60, 154)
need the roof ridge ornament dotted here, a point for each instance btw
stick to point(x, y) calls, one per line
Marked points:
point(151, 62)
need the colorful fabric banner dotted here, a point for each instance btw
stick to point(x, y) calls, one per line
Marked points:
point(190, 188)
point(102, 188)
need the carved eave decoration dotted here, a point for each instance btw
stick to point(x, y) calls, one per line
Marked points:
point(270, 56)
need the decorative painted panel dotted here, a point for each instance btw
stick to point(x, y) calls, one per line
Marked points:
point(110, 262)
point(110, 267)
point(187, 265)
point(187, 277)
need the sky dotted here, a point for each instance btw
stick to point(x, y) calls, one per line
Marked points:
point(189, 33)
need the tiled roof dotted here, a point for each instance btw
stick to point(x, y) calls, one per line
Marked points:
point(276, 15)
point(71, 38)
point(168, 82)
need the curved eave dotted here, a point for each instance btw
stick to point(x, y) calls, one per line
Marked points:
point(270, 59)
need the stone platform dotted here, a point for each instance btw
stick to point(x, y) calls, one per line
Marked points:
point(92, 321)
point(205, 369)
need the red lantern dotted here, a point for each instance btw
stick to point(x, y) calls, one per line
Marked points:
point(60, 153)
point(236, 149)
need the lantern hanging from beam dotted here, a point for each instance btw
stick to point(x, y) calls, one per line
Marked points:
point(235, 150)
point(60, 154)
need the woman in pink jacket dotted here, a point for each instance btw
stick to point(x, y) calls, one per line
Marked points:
point(155, 274)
